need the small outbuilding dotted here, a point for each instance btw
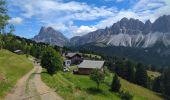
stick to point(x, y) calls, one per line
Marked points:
point(73, 58)
point(18, 52)
point(87, 66)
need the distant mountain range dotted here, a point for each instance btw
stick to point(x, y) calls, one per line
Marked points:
point(130, 33)
point(147, 42)
point(126, 32)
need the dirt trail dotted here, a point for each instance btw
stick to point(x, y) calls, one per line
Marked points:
point(31, 87)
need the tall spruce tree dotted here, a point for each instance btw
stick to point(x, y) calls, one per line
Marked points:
point(166, 83)
point(129, 71)
point(141, 75)
point(120, 68)
point(115, 86)
point(157, 84)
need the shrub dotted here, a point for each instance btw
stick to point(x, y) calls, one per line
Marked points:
point(97, 76)
point(115, 86)
point(126, 95)
point(51, 60)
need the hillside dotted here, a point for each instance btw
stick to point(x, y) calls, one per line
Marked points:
point(157, 56)
point(76, 87)
point(12, 68)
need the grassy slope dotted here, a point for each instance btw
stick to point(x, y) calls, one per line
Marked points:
point(153, 75)
point(139, 92)
point(93, 56)
point(76, 87)
point(12, 68)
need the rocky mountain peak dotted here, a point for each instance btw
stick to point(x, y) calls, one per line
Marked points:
point(162, 24)
point(148, 22)
point(131, 33)
point(49, 30)
point(147, 27)
point(51, 36)
point(128, 26)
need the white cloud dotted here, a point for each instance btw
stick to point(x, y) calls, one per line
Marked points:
point(70, 27)
point(70, 10)
point(109, 21)
point(143, 5)
point(61, 15)
point(82, 30)
point(58, 14)
point(142, 10)
point(152, 9)
point(16, 20)
point(28, 11)
point(58, 26)
point(119, 0)
point(114, 0)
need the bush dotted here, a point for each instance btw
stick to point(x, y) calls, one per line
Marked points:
point(97, 76)
point(51, 60)
point(106, 71)
point(115, 86)
point(126, 95)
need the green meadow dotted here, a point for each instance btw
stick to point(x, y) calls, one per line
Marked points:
point(80, 87)
point(12, 68)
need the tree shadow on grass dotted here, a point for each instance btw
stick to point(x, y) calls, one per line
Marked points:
point(94, 91)
point(36, 73)
point(46, 73)
point(43, 72)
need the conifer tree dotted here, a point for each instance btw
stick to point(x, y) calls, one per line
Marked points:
point(157, 84)
point(115, 86)
point(166, 83)
point(141, 75)
point(129, 71)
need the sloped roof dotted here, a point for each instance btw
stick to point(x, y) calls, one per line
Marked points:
point(91, 64)
point(17, 51)
point(71, 54)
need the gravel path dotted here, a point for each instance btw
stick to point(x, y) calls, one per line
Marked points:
point(31, 87)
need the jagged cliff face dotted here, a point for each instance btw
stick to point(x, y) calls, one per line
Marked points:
point(130, 33)
point(51, 36)
point(126, 32)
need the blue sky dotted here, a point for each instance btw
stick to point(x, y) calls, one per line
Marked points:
point(78, 17)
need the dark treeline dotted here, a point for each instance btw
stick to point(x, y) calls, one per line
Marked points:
point(146, 55)
point(12, 43)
